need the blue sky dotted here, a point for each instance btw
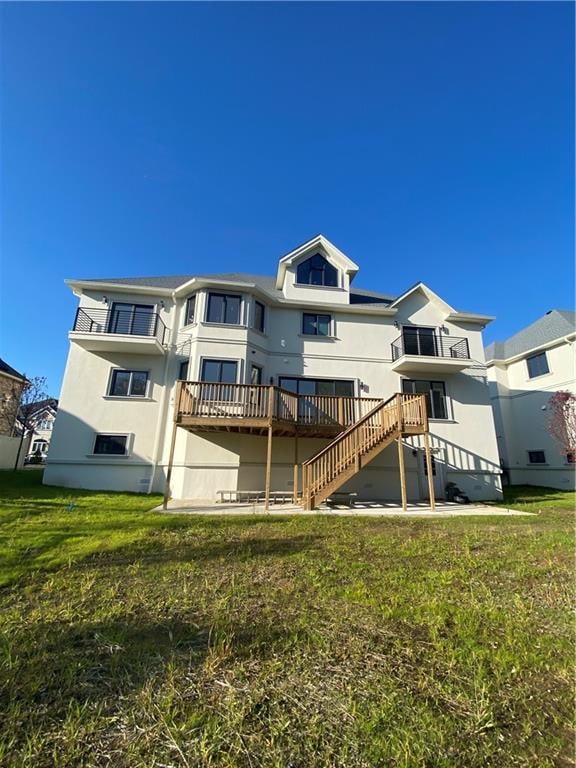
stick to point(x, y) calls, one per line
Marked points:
point(428, 141)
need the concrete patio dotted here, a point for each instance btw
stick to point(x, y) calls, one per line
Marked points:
point(358, 509)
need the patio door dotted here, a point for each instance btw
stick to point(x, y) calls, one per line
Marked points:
point(420, 341)
point(131, 319)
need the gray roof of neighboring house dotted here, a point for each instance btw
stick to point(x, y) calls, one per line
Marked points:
point(5, 368)
point(266, 283)
point(554, 325)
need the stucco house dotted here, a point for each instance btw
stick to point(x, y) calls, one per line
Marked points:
point(293, 384)
point(523, 372)
point(42, 416)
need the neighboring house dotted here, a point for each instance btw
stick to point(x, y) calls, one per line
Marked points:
point(524, 372)
point(41, 419)
point(11, 385)
point(276, 368)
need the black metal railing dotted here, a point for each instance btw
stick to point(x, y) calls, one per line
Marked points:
point(128, 322)
point(433, 344)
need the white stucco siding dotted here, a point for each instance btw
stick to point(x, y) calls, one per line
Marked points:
point(521, 414)
point(86, 410)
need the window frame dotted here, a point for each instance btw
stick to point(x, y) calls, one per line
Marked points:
point(533, 451)
point(431, 416)
point(329, 335)
point(298, 379)
point(191, 301)
point(323, 270)
point(255, 325)
point(219, 360)
point(129, 395)
point(538, 355)
point(127, 443)
point(225, 296)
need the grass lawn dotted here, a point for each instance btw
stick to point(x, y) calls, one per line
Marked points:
point(141, 640)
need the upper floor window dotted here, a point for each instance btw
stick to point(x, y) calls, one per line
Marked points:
point(189, 317)
point(317, 271)
point(435, 393)
point(223, 308)
point(259, 313)
point(537, 365)
point(128, 383)
point(183, 370)
point(316, 325)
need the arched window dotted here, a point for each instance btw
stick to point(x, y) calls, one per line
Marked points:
point(317, 271)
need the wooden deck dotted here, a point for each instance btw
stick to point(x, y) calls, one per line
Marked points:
point(254, 409)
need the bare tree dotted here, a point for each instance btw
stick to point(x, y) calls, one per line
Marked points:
point(33, 390)
point(562, 420)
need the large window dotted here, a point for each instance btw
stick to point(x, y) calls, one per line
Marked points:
point(317, 271)
point(537, 365)
point(435, 394)
point(128, 383)
point(303, 386)
point(219, 371)
point(223, 308)
point(113, 445)
point(132, 319)
point(316, 325)
point(259, 316)
point(190, 315)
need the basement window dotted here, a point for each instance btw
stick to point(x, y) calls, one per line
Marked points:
point(536, 457)
point(111, 445)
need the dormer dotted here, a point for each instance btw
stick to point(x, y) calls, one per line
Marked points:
point(316, 272)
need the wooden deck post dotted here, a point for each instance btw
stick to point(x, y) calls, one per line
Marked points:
point(402, 473)
point(295, 483)
point(268, 469)
point(429, 470)
point(177, 398)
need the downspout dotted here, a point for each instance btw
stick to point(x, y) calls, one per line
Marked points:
point(161, 423)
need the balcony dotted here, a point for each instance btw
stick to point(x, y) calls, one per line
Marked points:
point(135, 330)
point(428, 350)
point(252, 408)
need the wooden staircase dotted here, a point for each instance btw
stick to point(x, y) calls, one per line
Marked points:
point(354, 448)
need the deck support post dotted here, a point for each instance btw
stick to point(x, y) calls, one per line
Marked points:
point(295, 483)
point(268, 469)
point(177, 398)
point(429, 470)
point(402, 473)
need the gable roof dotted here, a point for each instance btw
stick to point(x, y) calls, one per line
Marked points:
point(7, 369)
point(311, 246)
point(555, 324)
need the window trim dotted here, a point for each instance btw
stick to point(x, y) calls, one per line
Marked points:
point(320, 285)
point(354, 383)
point(238, 296)
point(257, 302)
point(193, 298)
point(533, 357)
point(114, 371)
point(536, 463)
point(127, 447)
point(220, 360)
point(329, 335)
point(447, 403)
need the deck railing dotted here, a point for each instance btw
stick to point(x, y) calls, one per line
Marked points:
point(254, 401)
point(433, 345)
point(127, 322)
